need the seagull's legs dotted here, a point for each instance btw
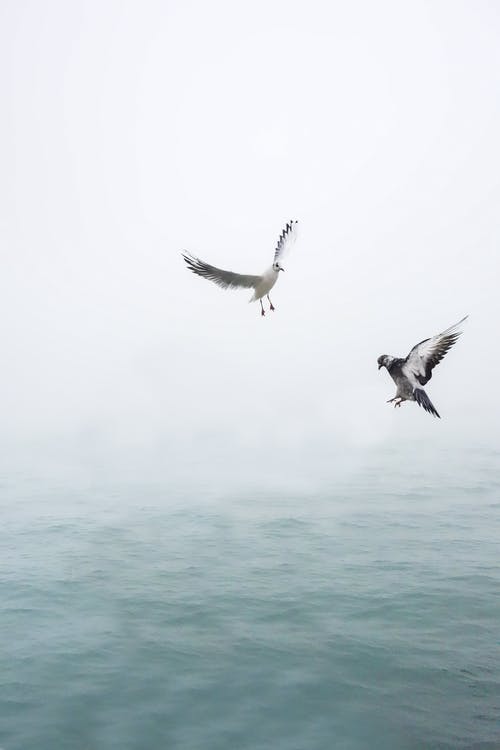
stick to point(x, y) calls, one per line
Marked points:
point(271, 307)
point(262, 308)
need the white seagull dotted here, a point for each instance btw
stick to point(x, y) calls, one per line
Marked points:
point(416, 370)
point(262, 284)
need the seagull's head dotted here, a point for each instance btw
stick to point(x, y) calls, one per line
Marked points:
point(277, 267)
point(383, 361)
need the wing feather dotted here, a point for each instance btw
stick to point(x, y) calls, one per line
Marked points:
point(428, 353)
point(286, 239)
point(224, 279)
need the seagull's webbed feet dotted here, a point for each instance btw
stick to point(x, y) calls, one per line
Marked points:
point(271, 306)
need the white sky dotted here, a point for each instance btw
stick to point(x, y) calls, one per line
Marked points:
point(132, 130)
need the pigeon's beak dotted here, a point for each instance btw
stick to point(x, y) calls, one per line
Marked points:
point(379, 367)
point(281, 269)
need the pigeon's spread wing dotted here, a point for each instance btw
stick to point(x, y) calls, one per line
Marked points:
point(224, 279)
point(428, 353)
point(287, 238)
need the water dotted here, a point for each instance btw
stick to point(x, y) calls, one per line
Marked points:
point(362, 614)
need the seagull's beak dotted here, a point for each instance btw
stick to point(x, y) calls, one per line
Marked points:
point(281, 269)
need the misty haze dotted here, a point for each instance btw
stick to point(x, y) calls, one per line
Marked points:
point(217, 534)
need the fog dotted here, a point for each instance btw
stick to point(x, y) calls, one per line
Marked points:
point(131, 131)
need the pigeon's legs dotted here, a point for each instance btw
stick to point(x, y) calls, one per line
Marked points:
point(262, 308)
point(271, 306)
point(397, 401)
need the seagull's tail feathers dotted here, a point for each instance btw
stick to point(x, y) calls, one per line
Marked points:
point(424, 401)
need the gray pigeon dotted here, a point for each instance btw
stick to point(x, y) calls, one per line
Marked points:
point(416, 370)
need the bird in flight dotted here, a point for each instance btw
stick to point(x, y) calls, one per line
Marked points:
point(262, 284)
point(416, 370)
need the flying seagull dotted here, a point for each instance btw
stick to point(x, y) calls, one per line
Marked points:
point(416, 370)
point(262, 284)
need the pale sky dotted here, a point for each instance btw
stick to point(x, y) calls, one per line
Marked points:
point(133, 130)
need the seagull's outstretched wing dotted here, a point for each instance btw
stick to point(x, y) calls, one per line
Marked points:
point(425, 356)
point(287, 238)
point(224, 279)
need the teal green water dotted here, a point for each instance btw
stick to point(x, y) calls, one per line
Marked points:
point(363, 614)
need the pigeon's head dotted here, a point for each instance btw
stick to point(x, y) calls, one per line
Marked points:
point(277, 267)
point(383, 361)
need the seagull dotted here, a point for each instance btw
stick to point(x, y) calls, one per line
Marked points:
point(416, 370)
point(262, 284)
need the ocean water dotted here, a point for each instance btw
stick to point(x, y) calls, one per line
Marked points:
point(361, 612)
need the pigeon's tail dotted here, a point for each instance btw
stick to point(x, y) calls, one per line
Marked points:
point(424, 401)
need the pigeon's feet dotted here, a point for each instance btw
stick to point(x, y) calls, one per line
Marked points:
point(391, 400)
point(398, 402)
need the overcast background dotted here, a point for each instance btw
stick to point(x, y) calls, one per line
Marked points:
point(132, 130)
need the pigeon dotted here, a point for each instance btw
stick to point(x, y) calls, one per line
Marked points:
point(262, 284)
point(416, 370)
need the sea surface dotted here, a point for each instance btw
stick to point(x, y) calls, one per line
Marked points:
point(355, 610)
